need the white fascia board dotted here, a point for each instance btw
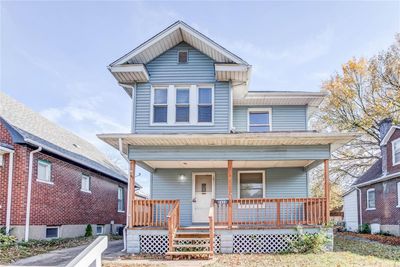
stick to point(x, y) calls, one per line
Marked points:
point(231, 67)
point(388, 135)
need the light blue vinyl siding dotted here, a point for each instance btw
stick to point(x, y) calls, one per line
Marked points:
point(304, 152)
point(166, 70)
point(280, 183)
point(284, 118)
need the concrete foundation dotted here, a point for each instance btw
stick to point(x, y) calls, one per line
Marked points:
point(392, 229)
point(38, 232)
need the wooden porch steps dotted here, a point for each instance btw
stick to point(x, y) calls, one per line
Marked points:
point(191, 244)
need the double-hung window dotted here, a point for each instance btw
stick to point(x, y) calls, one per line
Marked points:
point(396, 151)
point(205, 106)
point(85, 185)
point(44, 171)
point(259, 121)
point(121, 206)
point(160, 105)
point(251, 184)
point(371, 199)
point(182, 110)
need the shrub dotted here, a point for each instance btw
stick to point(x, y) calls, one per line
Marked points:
point(365, 228)
point(309, 243)
point(7, 240)
point(89, 230)
point(385, 233)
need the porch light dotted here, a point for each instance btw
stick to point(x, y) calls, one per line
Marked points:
point(182, 177)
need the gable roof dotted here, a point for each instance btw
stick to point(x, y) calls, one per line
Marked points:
point(374, 172)
point(29, 127)
point(173, 35)
point(389, 134)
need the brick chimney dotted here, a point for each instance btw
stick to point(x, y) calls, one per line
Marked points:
point(384, 127)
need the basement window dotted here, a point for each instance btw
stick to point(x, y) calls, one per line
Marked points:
point(52, 232)
point(183, 56)
point(99, 229)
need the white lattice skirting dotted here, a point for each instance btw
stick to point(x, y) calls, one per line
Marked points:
point(262, 243)
point(158, 244)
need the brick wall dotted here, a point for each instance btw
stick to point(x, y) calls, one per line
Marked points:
point(391, 168)
point(386, 211)
point(61, 202)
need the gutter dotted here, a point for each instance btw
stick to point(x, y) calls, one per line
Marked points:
point(9, 189)
point(380, 179)
point(360, 210)
point(28, 198)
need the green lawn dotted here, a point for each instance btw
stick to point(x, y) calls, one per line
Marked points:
point(346, 253)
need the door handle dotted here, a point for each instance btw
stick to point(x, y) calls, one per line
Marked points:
point(194, 200)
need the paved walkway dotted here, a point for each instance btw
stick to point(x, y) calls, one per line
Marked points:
point(63, 256)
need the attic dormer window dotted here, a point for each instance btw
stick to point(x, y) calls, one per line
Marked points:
point(182, 56)
point(396, 151)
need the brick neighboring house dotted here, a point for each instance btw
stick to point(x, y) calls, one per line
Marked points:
point(378, 190)
point(72, 183)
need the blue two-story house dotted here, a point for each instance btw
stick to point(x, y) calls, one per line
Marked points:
point(229, 166)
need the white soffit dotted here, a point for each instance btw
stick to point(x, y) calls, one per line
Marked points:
point(172, 36)
point(280, 98)
point(223, 164)
point(130, 73)
point(231, 72)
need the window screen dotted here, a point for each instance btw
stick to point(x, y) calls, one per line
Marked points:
point(183, 56)
point(160, 107)
point(205, 105)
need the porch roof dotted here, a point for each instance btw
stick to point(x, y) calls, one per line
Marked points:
point(123, 140)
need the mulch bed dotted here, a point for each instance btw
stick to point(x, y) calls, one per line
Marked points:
point(388, 240)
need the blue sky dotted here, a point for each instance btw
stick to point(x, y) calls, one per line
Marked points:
point(54, 54)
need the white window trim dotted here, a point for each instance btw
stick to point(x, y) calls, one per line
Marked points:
point(58, 232)
point(177, 56)
point(171, 105)
point(369, 190)
point(250, 110)
point(123, 199)
point(398, 195)
point(102, 229)
point(90, 178)
point(394, 142)
point(44, 162)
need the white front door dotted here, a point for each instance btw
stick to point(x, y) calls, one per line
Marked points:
point(203, 192)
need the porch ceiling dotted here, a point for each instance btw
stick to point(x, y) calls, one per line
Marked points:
point(223, 164)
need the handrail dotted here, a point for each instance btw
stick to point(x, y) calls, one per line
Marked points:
point(91, 254)
point(211, 225)
point(273, 211)
point(152, 212)
point(173, 224)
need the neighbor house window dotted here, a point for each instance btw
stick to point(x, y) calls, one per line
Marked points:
point(371, 199)
point(160, 105)
point(396, 151)
point(85, 186)
point(52, 232)
point(44, 171)
point(398, 194)
point(251, 184)
point(100, 229)
point(183, 56)
point(259, 121)
point(182, 105)
point(121, 197)
point(205, 105)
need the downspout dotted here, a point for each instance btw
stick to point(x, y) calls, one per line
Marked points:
point(28, 198)
point(359, 204)
point(9, 191)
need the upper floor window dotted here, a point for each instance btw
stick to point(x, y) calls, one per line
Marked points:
point(160, 106)
point(121, 203)
point(85, 185)
point(396, 151)
point(183, 56)
point(371, 199)
point(44, 171)
point(259, 120)
point(204, 105)
point(182, 110)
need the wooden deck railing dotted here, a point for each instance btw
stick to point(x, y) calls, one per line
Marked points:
point(211, 225)
point(272, 211)
point(152, 212)
point(173, 224)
